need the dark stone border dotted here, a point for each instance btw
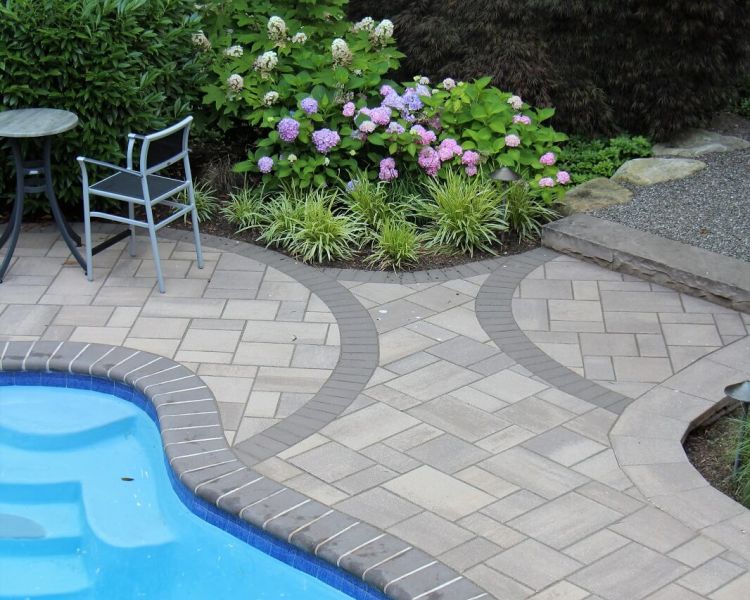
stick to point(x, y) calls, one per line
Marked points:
point(197, 452)
point(494, 312)
point(688, 269)
point(358, 356)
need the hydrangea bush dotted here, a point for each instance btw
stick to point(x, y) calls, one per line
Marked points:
point(316, 84)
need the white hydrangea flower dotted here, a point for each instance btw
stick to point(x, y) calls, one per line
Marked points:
point(277, 31)
point(366, 24)
point(270, 98)
point(291, 158)
point(382, 33)
point(235, 82)
point(326, 161)
point(234, 51)
point(299, 38)
point(266, 63)
point(201, 41)
point(340, 52)
point(421, 80)
point(515, 102)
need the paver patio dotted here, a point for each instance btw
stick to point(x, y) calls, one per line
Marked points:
point(452, 445)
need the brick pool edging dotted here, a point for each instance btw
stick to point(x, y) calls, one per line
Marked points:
point(200, 458)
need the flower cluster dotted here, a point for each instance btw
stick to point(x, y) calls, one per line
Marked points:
point(299, 38)
point(548, 159)
point(382, 33)
point(448, 149)
point(288, 129)
point(234, 52)
point(265, 164)
point(515, 102)
point(429, 160)
point(340, 52)
point(201, 41)
point(470, 160)
point(522, 119)
point(512, 140)
point(266, 63)
point(325, 140)
point(448, 84)
point(309, 105)
point(366, 24)
point(235, 83)
point(277, 31)
point(424, 136)
point(270, 98)
point(348, 109)
point(388, 171)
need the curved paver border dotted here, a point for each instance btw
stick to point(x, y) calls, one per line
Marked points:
point(358, 355)
point(494, 312)
point(647, 441)
point(197, 452)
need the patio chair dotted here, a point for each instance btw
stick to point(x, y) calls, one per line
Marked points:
point(145, 188)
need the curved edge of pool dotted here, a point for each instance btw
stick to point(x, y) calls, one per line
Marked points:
point(354, 557)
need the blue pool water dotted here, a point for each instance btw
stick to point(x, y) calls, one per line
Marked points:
point(87, 510)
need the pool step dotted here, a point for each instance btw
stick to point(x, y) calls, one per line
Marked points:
point(52, 577)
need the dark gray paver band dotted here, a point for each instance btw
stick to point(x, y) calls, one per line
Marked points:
point(198, 454)
point(495, 314)
point(358, 356)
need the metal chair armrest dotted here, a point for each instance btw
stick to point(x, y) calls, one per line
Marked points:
point(100, 163)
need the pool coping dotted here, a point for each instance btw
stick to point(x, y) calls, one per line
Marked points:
point(196, 449)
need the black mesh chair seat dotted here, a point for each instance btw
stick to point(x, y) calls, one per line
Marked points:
point(129, 185)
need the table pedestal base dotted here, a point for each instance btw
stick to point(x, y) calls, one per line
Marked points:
point(28, 181)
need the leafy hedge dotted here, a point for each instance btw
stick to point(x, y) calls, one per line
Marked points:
point(646, 67)
point(120, 65)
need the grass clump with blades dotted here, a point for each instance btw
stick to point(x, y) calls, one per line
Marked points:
point(396, 244)
point(524, 213)
point(244, 210)
point(462, 213)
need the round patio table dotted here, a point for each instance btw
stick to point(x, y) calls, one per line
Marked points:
point(35, 176)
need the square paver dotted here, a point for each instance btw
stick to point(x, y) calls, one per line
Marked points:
point(509, 386)
point(642, 369)
point(433, 380)
point(462, 351)
point(564, 446)
point(378, 507)
point(575, 310)
point(565, 520)
point(369, 425)
point(448, 453)
point(459, 418)
point(431, 533)
point(677, 334)
point(534, 564)
point(331, 462)
point(535, 414)
point(608, 344)
point(440, 493)
point(631, 322)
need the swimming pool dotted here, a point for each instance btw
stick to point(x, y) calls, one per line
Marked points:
point(87, 510)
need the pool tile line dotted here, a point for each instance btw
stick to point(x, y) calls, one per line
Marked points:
point(284, 523)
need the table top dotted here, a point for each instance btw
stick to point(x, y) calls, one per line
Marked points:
point(35, 122)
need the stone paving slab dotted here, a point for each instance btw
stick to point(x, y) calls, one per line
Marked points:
point(456, 426)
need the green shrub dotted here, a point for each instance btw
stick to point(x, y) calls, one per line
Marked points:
point(586, 159)
point(283, 214)
point(524, 213)
point(647, 67)
point(120, 65)
point(396, 244)
point(463, 213)
point(742, 478)
point(244, 209)
point(742, 105)
point(368, 201)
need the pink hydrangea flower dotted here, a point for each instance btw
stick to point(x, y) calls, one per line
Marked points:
point(381, 115)
point(471, 170)
point(386, 90)
point(367, 127)
point(434, 123)
point(265, 164)
point(448, 149)
point(425, 135)
point(563, 177)
point(429, 160)
point(388, 171)
point(448, 83)
point(546, 182)
point(288, 129)
point(325, 140)
point(512, 141)
point(470, 158)
point(522, 119)
point(348, 109)
point(548, 159)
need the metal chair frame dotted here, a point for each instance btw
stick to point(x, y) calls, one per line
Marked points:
point(146, 173)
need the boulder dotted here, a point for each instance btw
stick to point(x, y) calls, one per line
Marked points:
point(648, 171)
point(593, 195)
point(697, 142)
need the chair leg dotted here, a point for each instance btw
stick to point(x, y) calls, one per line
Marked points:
point(87, 235)
point(196, 231)
point(154, 247)
point(131, 241)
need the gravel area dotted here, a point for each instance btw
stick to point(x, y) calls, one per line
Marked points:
point(710, 209)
